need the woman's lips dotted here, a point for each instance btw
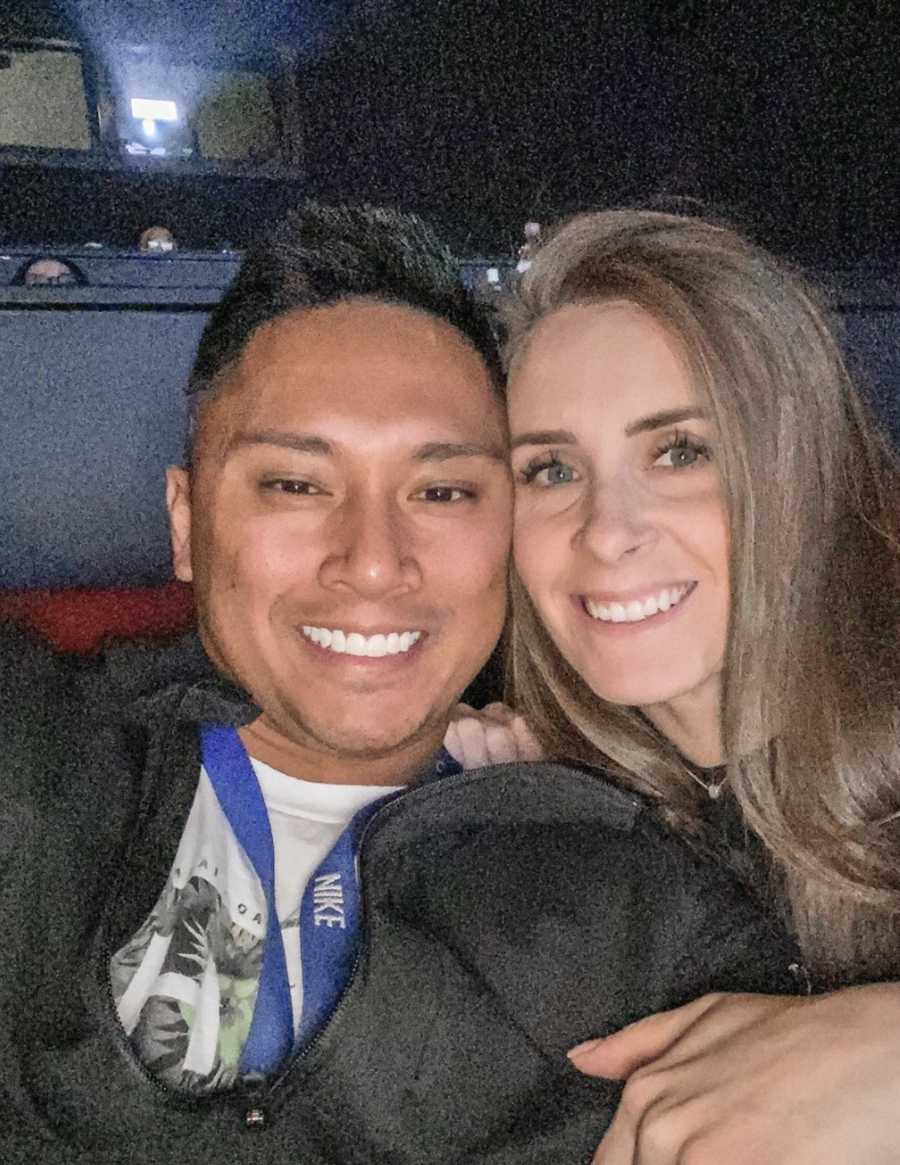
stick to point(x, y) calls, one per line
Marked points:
point(651, 609)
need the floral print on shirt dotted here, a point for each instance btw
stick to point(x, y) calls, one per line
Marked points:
point(198, 958)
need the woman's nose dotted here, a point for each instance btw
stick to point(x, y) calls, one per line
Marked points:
point(614, 522)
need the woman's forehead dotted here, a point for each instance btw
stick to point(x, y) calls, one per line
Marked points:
point(611, 356)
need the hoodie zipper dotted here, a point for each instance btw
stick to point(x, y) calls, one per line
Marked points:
point(256, 1116)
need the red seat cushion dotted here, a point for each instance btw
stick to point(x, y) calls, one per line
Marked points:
point(80, 619)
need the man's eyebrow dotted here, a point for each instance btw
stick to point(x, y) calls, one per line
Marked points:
point(446, 450)
point(662, 419)
point(299, 442)
point(545, 437)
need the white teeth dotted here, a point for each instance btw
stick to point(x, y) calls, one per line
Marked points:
point(352, 643)
point(635, 611)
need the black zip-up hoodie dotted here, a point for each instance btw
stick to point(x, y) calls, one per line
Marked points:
point(510, 912)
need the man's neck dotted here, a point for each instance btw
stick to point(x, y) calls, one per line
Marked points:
point(328, 766)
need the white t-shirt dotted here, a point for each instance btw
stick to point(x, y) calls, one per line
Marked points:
point(185, 985)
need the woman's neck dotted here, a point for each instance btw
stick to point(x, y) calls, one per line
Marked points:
point(692, 723)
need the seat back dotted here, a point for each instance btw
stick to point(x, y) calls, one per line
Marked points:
point(92, 411)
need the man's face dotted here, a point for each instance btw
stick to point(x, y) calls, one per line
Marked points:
point(346, 526)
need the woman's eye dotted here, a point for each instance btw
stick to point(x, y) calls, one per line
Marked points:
point(681, 454)
point(548, 473)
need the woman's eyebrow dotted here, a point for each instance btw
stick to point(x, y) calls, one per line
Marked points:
point(662, 419)
point(544, 437)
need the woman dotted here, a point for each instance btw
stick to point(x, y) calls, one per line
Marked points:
point(707, 604)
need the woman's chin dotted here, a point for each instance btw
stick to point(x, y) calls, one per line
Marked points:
point(639, 691)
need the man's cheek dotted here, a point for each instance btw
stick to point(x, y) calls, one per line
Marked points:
point(482, 562)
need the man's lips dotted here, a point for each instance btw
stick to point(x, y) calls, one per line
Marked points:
point(391, 643)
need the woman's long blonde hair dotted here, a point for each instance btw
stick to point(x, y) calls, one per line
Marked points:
point(812, 491)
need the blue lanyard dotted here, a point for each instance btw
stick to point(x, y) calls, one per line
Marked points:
point(330, 909)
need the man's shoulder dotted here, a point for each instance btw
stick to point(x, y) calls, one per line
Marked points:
point(570, 817)
point(538, 792)
point(131, 670)
point(32, 671)
point(579, 865)
point(62, 714)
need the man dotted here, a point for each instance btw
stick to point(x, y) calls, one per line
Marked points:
point(250, 911)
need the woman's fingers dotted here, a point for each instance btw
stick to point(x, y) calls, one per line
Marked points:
point(616, 1056)
point(494, 735)
point(465, 738)
point(497, 717)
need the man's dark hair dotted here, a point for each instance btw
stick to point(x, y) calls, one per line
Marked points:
point(319, 255)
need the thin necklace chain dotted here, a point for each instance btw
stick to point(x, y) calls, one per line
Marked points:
point(713, 789)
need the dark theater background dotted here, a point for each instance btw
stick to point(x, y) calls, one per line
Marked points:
point(484, 113)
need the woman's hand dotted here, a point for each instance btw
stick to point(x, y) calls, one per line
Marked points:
point(756, 1080)
point(491, 736)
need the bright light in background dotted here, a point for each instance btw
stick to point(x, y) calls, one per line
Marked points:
point(148, 125)
point(146, 110)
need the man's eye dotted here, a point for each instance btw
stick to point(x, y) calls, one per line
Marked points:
point(445, 493)
point(548, 472)
point(291, 485)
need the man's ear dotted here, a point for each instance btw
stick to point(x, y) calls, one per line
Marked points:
point(178, 502)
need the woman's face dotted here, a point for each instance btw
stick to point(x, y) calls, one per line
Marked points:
point(620, 528)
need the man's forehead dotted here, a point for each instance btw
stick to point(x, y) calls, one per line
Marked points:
point(349, 346)
point(344, 331)
point(337, 376)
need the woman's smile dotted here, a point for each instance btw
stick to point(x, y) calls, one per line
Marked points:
point(637, 610)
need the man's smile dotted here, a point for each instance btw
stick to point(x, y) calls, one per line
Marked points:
point(342, 642)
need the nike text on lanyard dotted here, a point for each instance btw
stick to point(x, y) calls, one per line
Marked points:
point(330, 910)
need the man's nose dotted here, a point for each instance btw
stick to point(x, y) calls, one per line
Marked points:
point(615, 521)
point(371, 549)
